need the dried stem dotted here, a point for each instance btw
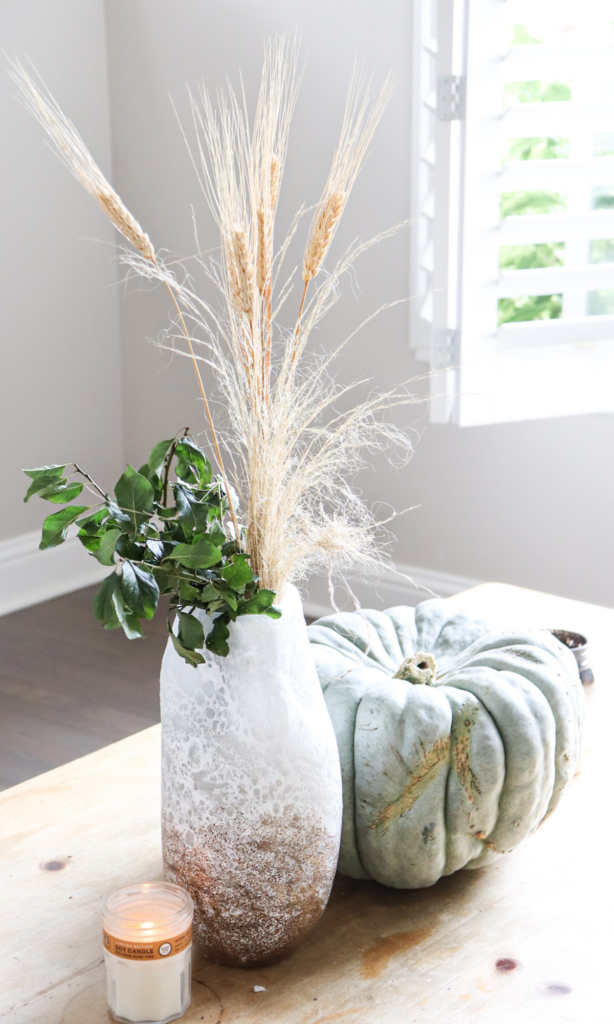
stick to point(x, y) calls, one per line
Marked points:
point(203, 393)
point(76, 156)
point(292, 437)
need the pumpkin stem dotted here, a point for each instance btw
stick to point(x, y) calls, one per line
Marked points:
point(418, 668)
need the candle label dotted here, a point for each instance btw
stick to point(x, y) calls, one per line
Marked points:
point(161, 949)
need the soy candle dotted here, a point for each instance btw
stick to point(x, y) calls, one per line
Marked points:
point(147, 941)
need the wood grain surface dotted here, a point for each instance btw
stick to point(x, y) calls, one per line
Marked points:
point(543, 913)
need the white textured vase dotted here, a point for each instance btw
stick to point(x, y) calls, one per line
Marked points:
point(251, 788)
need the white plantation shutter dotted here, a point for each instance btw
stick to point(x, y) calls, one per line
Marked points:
point(481, 372)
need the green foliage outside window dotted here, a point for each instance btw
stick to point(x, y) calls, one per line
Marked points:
point(526, 257)
point(547, 148)
point(515, 204)
point(529, 307)
point(600, 303)
point(603, 197)
point(602, 250)
point(536, 92)
point(604, 144)
point(520, 36)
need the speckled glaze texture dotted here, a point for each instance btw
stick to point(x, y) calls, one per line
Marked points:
point(251, 788)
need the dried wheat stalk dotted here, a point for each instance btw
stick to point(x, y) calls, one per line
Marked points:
point(79, 161)
point(294, 454)
point(76, 156)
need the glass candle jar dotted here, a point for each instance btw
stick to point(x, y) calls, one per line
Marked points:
point(147, 940)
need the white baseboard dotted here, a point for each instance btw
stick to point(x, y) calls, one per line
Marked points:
point(409, 585)
point(29, 575)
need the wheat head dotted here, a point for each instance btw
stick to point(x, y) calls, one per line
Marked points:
point(242, 276)
point(322, 234)
point(76, 156)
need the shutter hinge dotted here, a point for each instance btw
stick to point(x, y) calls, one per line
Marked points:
point(445, 349)
point(451, 97)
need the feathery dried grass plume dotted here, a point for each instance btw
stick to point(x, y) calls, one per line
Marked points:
point(291, 433)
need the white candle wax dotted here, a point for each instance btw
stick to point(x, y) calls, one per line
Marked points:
point(147, 938)
point(149, 991)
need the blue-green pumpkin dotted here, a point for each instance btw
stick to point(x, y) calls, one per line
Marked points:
point(455, 741)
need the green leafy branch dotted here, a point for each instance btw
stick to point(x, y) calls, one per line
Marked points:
point(182, 548)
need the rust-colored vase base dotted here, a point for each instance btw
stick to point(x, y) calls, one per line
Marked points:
point(258, 890)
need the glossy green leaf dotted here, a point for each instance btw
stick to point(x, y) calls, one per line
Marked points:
point(106, 547)
point(191, 632)
point(193, 658)
point(200, 555)
point(158, 454)
point(217, 639)
point(92, 524)
point(156, 547)
point(260, 603)
point(55, 472)
point(128, 548)
point(89, 542)
point(61, 492)
point(42, 481)
point(164, 578)
point(104, 608)
point(193, 466)
point(237, 573)
point(272, 612)
point(127, 618)
point(188, 592)
point(209, 593)
point(139, 590)
point(122, 519)
point(56, 525)
point(193, 513)
point(230, 598)
point(216, 534)
point(135, 497)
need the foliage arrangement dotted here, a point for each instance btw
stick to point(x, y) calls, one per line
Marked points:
point(288, 440)
point(162, 536)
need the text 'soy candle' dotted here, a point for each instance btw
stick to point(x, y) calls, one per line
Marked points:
point(147, 939)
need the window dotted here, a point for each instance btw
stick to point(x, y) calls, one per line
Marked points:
point(513, 207)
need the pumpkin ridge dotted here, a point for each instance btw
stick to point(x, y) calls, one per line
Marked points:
point(419, 781)
point(509, 737)
point(461, 744)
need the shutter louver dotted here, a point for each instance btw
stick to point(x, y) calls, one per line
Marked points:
point(561, 361)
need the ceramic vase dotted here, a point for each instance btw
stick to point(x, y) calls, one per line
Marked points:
point(251, 788)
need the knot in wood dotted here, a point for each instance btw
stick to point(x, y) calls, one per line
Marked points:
point(418, 668)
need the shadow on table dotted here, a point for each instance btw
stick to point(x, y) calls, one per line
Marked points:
point(365, 929)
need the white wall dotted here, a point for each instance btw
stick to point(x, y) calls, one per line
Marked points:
point(524, 503)
point(60, 368)
point(528, 503)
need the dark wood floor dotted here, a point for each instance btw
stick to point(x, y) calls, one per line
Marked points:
point(68, 687)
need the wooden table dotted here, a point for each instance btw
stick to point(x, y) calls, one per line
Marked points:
point(378, 955)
